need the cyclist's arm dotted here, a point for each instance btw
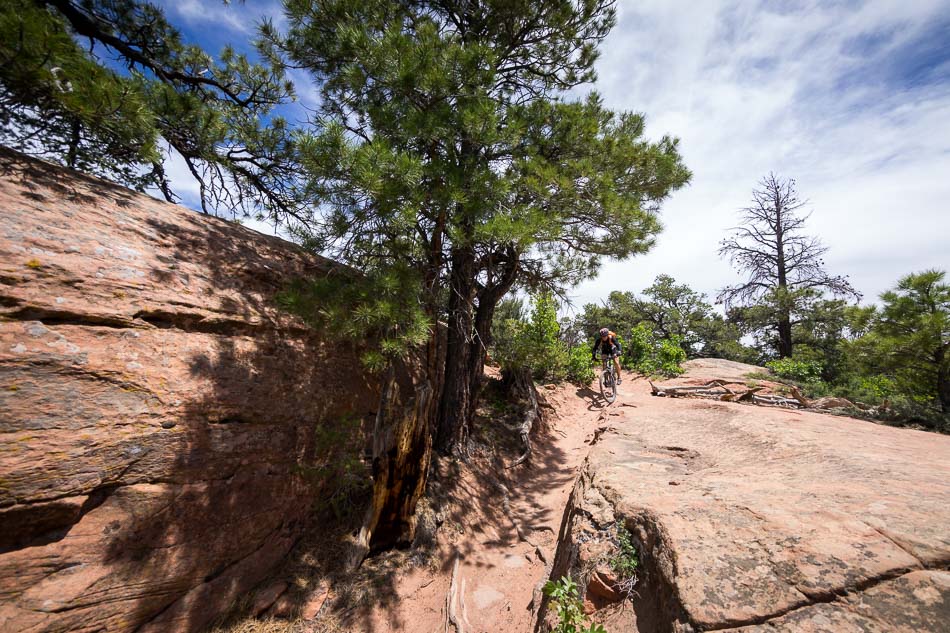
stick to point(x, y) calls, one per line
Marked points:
point(593, 353)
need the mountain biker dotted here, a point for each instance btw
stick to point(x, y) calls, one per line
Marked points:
point(609, 346)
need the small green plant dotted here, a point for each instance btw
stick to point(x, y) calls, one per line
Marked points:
point(565, 599)
point(626, 561)
point(34, 264)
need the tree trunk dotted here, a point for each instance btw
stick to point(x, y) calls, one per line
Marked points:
point(785, 316)
point(452, 431)
point(479, 352)
point(784, 336)
point(520, 386)
point(402, 449)
point(943, 379)
point(488, 299)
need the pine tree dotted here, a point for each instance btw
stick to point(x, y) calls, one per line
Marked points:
point(912, 336)
point(63, 98)
point(785, 269)
point(448, 142)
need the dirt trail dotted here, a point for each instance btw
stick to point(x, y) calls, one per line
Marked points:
point(500, 571)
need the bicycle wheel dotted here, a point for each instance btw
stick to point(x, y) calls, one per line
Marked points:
point(608, 386)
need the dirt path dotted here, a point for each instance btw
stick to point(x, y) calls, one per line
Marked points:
point(498, 570)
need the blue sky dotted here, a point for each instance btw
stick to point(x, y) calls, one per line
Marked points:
point(852, 99)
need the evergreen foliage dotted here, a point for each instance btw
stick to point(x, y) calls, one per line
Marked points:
point(649, 355)
point(378, 310)
point(448, 142)
point(908, 342)
point(110, 88)
point(534, 343)
point(667, 310)
point(893, 355)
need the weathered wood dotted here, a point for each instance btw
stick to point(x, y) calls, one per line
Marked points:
point(718, 389)
point(521, 385)
point(402, 451)
point(746, 396)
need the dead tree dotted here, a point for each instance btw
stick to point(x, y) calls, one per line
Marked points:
point(783, 265)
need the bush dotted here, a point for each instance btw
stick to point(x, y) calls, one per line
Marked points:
point(670, 355)
point(534, 344)
point(867, 389)
point(565, 600)
point(647, 355)
point(795, 369)
point(579, 369)
point(638, 351)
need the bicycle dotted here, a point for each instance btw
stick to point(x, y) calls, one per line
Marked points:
point(608, 378)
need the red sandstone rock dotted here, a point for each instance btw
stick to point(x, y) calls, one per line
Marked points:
point(601, 591)
point(156, 406)
point(267, 597)
point(603, 584)
point(311, 608)
point(782, 520)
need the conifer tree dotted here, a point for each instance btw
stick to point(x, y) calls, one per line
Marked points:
point(911, 337)
point(64, 97)
point(448, 141)
point(784, 268)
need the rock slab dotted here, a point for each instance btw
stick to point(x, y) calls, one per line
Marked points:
point(758, 519)
point(157, 409)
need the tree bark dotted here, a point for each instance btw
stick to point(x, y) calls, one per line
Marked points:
point(943, 379)
point(402, 449)
point(455, 405)
point(784, 336)
point(488, 298)
point(521, 385)
point(785, 317)
point(471, 311)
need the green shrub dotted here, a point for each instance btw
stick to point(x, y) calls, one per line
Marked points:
point(670, 355)
point(796, 369)
point(534, 343)
point(565, 599)
point(642, 352)
point(638, 350)
point(867, 389)
point(579, 369)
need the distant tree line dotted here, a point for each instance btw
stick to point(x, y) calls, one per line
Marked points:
point(789, 315)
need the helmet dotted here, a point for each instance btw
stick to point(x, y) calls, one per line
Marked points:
point(604, 331)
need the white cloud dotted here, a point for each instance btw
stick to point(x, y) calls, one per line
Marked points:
point(205, 13)
point(821, 92)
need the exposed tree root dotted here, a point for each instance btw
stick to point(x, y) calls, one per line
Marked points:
point(451, 599)
point(521, 385)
